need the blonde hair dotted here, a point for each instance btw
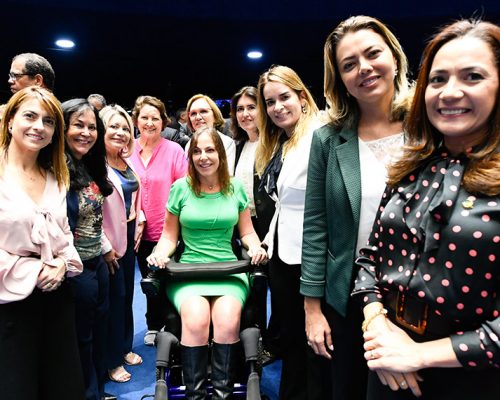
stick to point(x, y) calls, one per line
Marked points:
point(107, 113)
point(51, 157)
point(343, 109)
point(218, 118)
point(2, 107)
point(269, 133)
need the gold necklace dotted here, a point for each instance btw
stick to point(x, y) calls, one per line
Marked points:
point(212, 187)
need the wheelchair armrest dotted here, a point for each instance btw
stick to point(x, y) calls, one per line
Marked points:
point(207, 270)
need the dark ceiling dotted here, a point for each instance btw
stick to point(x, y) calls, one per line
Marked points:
point(173, 50)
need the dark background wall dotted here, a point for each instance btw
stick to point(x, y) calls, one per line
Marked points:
point(174, 49)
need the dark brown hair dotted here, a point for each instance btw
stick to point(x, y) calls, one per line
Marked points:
point(238, 132)
point(223, 171)
point(483, 171)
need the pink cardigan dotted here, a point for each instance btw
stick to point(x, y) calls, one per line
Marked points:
point(32, 234)
point(114, 223)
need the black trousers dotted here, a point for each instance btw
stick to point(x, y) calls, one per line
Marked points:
point(346, 375)
point(301, 373)
point(38, 348)
point(121, 296)
point(155, 305)
point(92, 307)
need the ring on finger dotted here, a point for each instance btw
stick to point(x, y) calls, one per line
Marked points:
point(372, 355)
point(403, 384)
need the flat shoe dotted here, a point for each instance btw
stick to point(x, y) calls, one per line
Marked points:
point(119, 375)
point(149, 338)
point(132, 359)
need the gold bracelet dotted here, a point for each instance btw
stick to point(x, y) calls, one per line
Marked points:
point(368, 321)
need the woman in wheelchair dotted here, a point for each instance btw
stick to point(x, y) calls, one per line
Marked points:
point(204, 208)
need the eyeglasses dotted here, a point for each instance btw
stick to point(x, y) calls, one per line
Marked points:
point(202, 113)
point(15, 76)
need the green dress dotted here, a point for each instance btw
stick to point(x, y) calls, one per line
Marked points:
point(207, 224)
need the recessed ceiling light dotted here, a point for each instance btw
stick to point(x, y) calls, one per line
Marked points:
point(65, 43)
point(254, 54)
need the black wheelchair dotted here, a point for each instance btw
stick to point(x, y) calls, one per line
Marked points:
point(169, 380)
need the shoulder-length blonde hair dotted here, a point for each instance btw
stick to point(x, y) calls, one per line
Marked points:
point(218, 118)
point(269, 133)
point(483, 171)
point(343, 109)
point(107, 113)
point(223, 170)
point(51, 157)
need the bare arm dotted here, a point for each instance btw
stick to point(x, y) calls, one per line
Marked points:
point(167, 243)
point(249, 238)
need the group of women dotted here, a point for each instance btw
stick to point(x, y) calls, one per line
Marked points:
point(380, 219)
point(427, 274)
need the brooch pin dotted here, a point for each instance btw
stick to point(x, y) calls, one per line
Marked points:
point(468, 204)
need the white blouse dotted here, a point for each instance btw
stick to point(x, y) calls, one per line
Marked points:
point(374, 158)
point(244, 171)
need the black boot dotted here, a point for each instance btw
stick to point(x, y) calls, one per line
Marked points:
point(194, 371)
point(224, 358)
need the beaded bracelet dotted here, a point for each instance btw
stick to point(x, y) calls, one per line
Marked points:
point(368, 321)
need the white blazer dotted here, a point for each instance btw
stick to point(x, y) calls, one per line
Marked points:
point(289, 214)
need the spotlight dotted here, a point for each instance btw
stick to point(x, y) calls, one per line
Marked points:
point(254, 54)
point(65, 43)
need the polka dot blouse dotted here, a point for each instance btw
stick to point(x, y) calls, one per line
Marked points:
point(434, 241)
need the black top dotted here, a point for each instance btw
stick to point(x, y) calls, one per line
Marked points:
point(435, 241)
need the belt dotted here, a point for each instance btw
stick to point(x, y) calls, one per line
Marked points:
point(417, 316)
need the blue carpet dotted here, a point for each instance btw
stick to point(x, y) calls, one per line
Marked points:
point(143, 376)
